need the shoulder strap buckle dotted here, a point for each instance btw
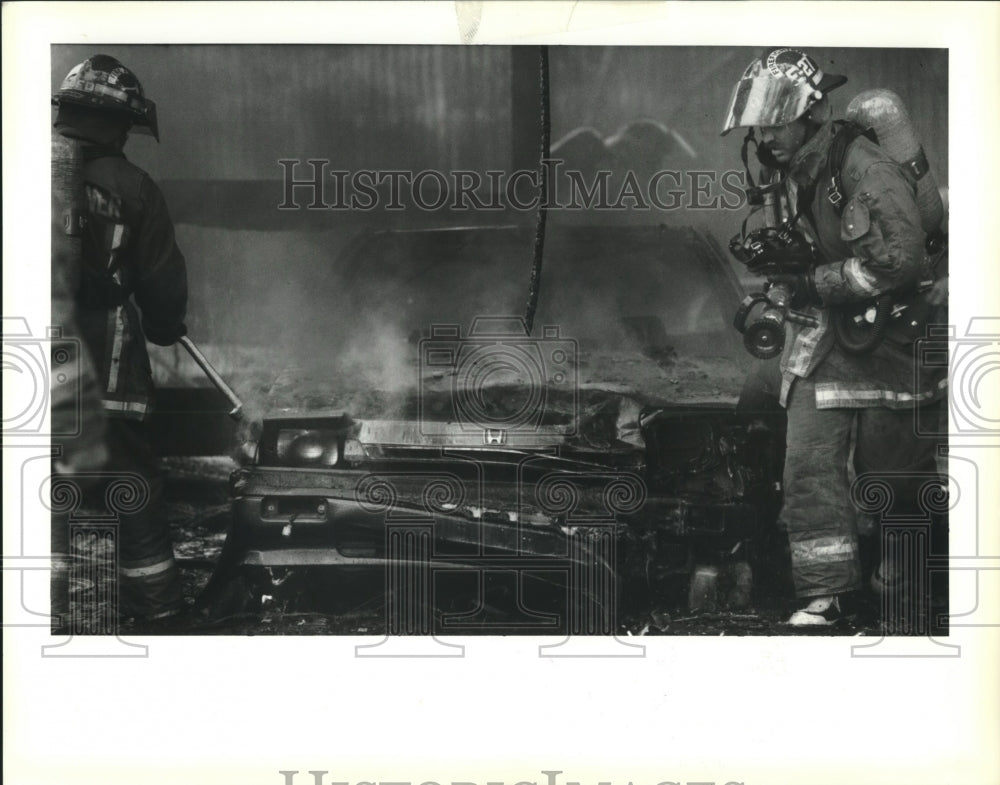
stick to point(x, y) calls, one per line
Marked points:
point(846, 133)
point(834, 195)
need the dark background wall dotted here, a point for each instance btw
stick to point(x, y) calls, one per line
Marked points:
point(228, 113)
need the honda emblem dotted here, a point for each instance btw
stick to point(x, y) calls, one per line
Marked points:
point(495, 436)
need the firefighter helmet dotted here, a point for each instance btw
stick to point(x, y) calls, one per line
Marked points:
point(777, 88)
point(101, 82)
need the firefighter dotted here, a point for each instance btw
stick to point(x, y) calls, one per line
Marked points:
point(866, 230)
point(130, 263)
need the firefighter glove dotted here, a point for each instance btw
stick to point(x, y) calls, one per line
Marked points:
point(164, 336)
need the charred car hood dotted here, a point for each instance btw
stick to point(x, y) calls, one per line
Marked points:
point(600, 408)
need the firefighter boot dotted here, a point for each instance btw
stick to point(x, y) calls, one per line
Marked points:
point(822, 611)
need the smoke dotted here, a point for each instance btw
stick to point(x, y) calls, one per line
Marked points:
point(338, 320)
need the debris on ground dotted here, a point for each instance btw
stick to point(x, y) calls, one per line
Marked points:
point(196, 499)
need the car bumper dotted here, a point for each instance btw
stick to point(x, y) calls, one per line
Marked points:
point(286, 517)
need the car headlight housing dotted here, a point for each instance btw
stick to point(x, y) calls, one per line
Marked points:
point(305, 442)
point(308, 447)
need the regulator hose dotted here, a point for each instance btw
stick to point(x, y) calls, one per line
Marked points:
point(850, 342)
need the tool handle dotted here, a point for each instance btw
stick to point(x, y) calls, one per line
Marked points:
point(213, 376)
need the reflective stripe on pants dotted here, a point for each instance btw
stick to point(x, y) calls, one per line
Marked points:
point(151, 589)
point(822, 549)
point(817, 510)
point(149, 581)
point(818, 513)
point(145, 570)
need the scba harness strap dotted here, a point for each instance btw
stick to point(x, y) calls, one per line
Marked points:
point(843, 138)
point(845, 323)
point(846, 133)
point(901, 331)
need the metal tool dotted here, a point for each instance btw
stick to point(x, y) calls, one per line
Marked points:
point(213, 376)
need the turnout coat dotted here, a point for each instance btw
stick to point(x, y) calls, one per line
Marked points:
point(871, 243)
point(130, 258)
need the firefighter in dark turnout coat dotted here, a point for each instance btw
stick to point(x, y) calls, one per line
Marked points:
point(870, 242)
point(130, 259)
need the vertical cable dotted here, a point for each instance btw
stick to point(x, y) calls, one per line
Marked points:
point(543, 187)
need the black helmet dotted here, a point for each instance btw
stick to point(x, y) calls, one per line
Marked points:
point(101, 82)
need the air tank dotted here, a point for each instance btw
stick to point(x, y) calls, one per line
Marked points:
point(884, 111)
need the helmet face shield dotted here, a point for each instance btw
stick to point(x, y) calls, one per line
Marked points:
point(764, 101)
point(776, 89)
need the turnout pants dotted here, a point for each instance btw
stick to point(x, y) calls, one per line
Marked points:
point(148, 579)
point(818, 512)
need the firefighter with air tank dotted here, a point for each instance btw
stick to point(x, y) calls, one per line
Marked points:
point(130, 263)
point(848, 252)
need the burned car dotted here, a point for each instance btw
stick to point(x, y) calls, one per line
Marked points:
point(419, 433)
